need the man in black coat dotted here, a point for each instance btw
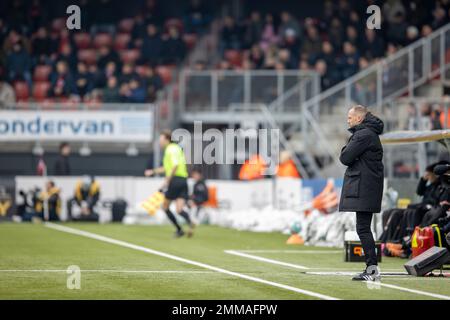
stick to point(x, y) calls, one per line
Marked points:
point(362, 190)
point(62, 165)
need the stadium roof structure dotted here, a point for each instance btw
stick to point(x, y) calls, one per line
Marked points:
point(405, 137)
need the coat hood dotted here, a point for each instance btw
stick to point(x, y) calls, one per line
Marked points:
point(370, 122)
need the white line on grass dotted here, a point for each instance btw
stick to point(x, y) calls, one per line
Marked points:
point(187, 261)
point(105, 271)
point(251, 256)
point(292, 251)
point(424, 293)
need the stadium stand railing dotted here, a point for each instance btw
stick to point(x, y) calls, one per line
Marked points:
point(390, 78)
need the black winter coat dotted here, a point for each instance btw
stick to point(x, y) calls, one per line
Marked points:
point(363, 155)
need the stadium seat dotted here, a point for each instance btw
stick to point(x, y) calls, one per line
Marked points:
point(165, 72)
point(58, 24)
point(233, 57)
point(174, 22)
point(82, 40)
point(40, 90)
point(42, 72)
point(22, 91)
point(121, 41)
point(89, 56)
point(190, 39)
point(102, 39)
point(126, 25)
point(129, 55)
point(141, 70)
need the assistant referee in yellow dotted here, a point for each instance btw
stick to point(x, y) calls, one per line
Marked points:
point(175, 169)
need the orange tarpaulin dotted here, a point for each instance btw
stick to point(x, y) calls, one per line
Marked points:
point(253, 168)
point(288, 169)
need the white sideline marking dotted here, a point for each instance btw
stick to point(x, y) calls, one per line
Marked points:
point(187, 261)
point(106, 271)
point(292, 251)
point(250, 256)
point(424, 293)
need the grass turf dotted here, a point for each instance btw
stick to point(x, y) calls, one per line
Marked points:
point(114, 272)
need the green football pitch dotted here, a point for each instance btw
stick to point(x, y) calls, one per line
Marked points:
point(145, 262)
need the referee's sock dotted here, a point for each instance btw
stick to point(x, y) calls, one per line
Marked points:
point(173, 219)
point(186, 217)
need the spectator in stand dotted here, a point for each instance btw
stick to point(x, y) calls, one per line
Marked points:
point(174, 48)
point(62, 164)
point(97, 77)
point(328, 79)
point(230, 35)
point(83, 80)
point(292, 43)
point(287, 60)
point(43, 47)
point(312, 45)
point(327, 54)
point(396, 31)
point(197, 17)
point(139, 30)
point(373, 46)
point(111, 94)
point(62, 83)
point(253, 29)
point(256, 56)
point(133, 91)
point(336, 34)
point(7, 95)
point(392, 9)
point(19, 64)
point(353, 36)
point(127, 73)
point(106, 55)
point(289, 23)
point(68, 56)
point(440, 18)
point(412, 34)
point(348, 63)
point(269, 36)
point(109, 72)
point(152, 46)
point(153, 83)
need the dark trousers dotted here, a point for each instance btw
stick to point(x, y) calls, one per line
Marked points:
point(363, 222)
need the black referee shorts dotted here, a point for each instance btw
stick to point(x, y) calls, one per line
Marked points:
point(178, 188)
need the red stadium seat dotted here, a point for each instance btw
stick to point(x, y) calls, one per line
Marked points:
point(89, 56)
point(174, 22)
point(129, 55)
point(22, 91)
point(42, 72)
point(165, 72)
point(126, 25)
point(58, 24)
point(190, 39)
point(121, 41)
point(102, 39)
point(40, 90)
point(141, 70)
point(233, 57)
point(82, 40)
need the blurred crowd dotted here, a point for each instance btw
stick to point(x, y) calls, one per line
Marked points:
point(119, 55)
point(336, 44)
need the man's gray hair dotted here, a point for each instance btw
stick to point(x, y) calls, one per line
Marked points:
point(361, 110)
